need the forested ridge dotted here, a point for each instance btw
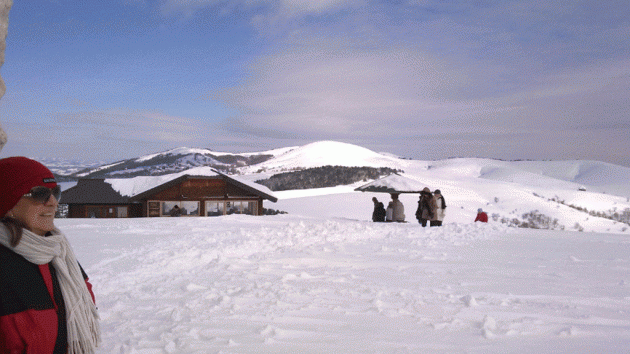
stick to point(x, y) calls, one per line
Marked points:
point(326, 176)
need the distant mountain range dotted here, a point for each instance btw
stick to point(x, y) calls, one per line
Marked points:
point(262, 165)
point(323, 153)
point(571, 194)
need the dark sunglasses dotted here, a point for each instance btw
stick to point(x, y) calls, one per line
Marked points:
point(42, 194)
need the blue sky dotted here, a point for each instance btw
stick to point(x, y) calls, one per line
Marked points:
point(424, 79)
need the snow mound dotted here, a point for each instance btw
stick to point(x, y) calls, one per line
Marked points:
point(332, 153)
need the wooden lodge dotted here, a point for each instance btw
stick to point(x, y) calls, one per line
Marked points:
point(212, 194)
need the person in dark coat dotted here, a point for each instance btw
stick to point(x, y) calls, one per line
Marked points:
point(378, 215)
point(46, 300)
point(426, 207)
point(176, 211)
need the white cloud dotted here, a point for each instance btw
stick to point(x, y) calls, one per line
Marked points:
point(332, 87)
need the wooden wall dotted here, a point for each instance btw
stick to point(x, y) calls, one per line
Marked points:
point(202, 190)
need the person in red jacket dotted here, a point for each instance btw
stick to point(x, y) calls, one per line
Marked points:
point(46, 301)
point(481, 216)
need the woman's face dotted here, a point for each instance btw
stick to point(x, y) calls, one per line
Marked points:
point(39, 217)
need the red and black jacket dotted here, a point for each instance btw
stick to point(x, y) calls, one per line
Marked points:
point(32, 310)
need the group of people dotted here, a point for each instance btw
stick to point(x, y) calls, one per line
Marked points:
point(395, 210)
point(431, 209)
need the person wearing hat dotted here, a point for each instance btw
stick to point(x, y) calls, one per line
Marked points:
point(46, 302)
point(440, 208)
point(481, 216)
point(426, 207)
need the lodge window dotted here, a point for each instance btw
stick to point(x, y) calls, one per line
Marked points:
point(212, 208)
point(218, 208)
point(185, 208)
point(154, 209)
point(122, 212)
point(215, 208)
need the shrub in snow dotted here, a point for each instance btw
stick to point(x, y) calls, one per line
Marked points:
point(272, 212)
point(612, 214)
point(533, 220)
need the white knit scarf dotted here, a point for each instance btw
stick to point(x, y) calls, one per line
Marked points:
point(84, 332)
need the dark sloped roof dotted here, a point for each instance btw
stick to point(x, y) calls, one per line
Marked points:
point(92, 191)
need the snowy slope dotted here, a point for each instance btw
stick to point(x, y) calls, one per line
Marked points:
point(324, 279)
point(324, 153)
point(297, 284)
point(501, 188)
point(600, 176)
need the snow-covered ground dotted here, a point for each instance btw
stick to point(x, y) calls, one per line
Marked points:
point(309, 282)
point(325, 279)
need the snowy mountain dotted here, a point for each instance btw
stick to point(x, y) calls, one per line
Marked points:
point(278, 160)
point(66, 167)
point(563, 195)
point(597, 176)
point(173, 161)
point(326, 153)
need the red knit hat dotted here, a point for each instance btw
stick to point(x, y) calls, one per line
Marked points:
point(17, 176)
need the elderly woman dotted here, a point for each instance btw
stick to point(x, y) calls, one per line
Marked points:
point(46, 301)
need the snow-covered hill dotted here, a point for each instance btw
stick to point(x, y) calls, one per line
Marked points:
point(593, 175)
point(570, 195)
point(174, 161)
point(325, 153)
